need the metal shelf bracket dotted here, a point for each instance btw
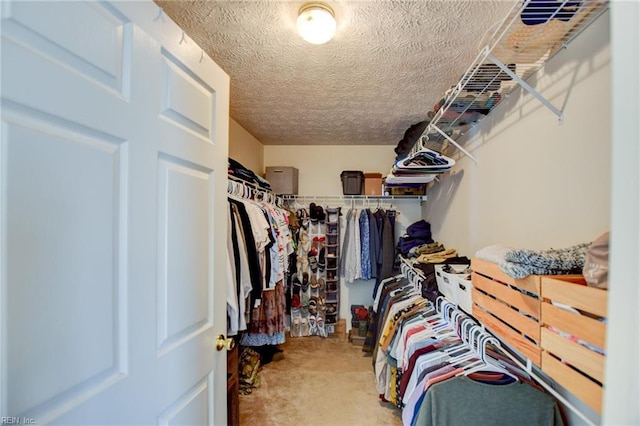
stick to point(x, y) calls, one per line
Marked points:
point(526, 86)
point(437, 129)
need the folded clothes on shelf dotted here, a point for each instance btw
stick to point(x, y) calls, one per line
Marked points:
point(408, 178)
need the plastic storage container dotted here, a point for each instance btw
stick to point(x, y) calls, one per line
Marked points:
point(373, 184)
point(448, 282)
point(352, 182)
point(283, 180)
point(464, 289)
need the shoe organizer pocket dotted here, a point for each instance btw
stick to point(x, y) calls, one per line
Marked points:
point(331, 296)
point(332, 263)
point(331, 318)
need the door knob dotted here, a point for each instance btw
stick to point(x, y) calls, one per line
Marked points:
point(224, 343)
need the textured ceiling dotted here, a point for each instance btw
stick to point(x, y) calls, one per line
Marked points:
point(388, 64)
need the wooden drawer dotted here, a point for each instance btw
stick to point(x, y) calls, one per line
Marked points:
point(574, 365)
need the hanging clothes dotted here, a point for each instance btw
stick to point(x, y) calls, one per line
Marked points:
point(241, 216)
point(365, 243)
point(238, 273)
point(351, 266)
point(259, 244)
point(368, 247)
point(374, 243)
point(424, 364)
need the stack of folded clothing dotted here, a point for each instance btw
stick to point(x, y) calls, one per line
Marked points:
point(239, 171)
point(437, 257)
point(428, 248)
point(417, 234)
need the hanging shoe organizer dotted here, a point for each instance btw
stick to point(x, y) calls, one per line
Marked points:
point(332, 260)
point(315, 298)
point(514, 49)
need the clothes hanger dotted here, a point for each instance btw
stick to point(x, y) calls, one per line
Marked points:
point(417, 283)
point(467, 355)
point(486, 338)
point(465, 329)
point(475, 333)
point(403, 268)
point(472, 354)
point(439, 301)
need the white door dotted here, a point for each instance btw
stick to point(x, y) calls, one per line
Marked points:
point(113, 167)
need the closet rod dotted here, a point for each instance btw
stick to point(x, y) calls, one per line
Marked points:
point(354, 197)
point(507, 351)
point(529, 369)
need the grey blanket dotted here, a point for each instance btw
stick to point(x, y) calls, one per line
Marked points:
point(518, 263)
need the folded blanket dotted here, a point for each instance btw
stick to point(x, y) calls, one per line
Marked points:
point(519, 263)
point(569, 258)
point(493, 254)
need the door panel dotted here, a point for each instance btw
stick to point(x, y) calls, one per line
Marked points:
point(184, 305)
point(192, 408)
point(102, 54)
point(78, 211)
point(113, 156)
point(196, 114)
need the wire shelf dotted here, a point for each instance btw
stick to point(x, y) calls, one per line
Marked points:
point(519, 45)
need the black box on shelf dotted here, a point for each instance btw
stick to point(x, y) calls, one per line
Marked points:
point(352, 182)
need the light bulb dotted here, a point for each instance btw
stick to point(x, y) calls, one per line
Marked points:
point(316, 23)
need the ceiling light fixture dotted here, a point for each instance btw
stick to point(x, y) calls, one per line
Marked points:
point(316, 23)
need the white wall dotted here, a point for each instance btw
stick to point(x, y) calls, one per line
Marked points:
point(538, 183)
point(319, 169)
point(245, 148)
point(320, 166)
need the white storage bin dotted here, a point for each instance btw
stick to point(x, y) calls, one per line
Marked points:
point(464, 289)
point(448, 282)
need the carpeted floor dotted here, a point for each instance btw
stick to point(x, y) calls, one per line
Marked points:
point(317, 382)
